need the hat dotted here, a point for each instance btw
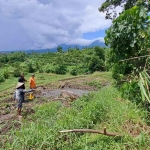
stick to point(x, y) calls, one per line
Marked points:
point(32, 74)
point(19, 84)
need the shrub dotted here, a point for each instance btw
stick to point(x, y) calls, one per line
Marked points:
point(6, 74)
point(60, 69)
point(2, 79)
point(41, 70)
point(96, 64)
point(17, 73)
point(48, 70)
point(74, 71)
point(31, 68)
point(131, 91)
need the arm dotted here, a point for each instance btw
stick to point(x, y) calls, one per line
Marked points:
point(24, 79)
point(30, 83)
point(26, 91)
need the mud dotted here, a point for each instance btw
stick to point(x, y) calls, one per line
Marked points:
point(5, 117)
point(56, 92)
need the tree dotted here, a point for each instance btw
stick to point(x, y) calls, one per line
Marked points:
point(128, 37)
point(109, 6)
point(96, 64)
point(100, 52)
point(59, 49)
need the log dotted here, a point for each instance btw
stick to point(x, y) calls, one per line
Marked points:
point(93, 131)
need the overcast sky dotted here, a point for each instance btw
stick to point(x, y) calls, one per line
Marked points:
point(36, 24)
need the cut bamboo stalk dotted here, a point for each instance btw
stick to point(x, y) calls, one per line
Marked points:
point(134, 58)
point(93, 131)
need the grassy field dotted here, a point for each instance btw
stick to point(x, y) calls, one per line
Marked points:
point(97, 110)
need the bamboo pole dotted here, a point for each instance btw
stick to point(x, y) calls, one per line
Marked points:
point(92, 131)
point(134, 58)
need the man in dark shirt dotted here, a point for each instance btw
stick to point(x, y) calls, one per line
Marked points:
point(22, 80)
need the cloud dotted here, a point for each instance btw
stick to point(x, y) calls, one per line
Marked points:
point(33, 24)
point(84, 42)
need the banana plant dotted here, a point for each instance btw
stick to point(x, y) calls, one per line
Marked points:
point(144, 84)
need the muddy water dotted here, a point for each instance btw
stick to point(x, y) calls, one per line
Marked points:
point(56, 92)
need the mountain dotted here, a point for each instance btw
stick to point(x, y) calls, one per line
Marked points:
point(64, 47)
point(97, 43)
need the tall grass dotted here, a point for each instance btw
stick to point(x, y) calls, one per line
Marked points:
point(95, 111)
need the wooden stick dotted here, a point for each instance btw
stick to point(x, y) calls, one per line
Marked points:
point(92, 131)
point(135, 58)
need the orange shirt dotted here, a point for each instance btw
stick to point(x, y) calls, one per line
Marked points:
point(32, 83)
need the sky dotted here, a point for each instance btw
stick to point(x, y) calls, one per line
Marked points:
point(40, 24)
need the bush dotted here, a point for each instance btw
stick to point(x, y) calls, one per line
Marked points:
point(31, 69)
point(6, 74)
point(96, 64)
point(60, 69)
point(17, 73)
point(48, 70)
point(74, 71)
point(2, 79)
point(80, 69)
point(131, 91)
point(41, 70)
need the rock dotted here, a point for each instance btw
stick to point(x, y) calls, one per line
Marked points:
point(69, 94)
point(62, 85)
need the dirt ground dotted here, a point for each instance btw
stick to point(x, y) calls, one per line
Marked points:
point(43, 94)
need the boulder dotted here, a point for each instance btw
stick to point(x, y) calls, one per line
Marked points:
point(69, 94)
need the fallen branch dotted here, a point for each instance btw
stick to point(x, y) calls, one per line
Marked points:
point(92, 131)
point(63, 99)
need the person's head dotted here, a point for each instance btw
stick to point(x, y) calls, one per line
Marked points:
point(22, 75)
point(19, 85)
point(32, 75)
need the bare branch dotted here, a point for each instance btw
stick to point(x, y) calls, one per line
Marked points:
point(93, 131)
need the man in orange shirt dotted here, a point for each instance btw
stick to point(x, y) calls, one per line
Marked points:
point(32, 86)
point(32, 82)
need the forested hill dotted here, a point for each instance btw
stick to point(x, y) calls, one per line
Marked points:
point(64, 47)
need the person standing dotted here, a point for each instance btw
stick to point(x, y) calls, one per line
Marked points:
point(32, 83)
point(22, 80)
point(19, 96)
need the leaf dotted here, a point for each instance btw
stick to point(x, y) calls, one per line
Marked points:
point(143, 91)
point(132, 44)
point(134, 34)
point(143, 13)
point(142, 94)
point(144, 87)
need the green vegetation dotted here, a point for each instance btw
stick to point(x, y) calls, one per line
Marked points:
point(122, 107)
point(73, 62)
point(95, 111)
point(109, 6)
point(129, 55)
